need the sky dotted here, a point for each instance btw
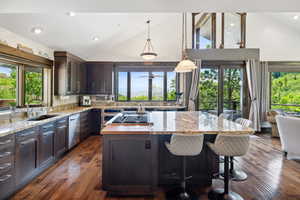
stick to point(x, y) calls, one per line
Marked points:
point(5, 70)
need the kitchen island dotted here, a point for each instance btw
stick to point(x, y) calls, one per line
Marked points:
point(136, 161)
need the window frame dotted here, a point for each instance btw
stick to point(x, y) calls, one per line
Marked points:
point(204, 17)
point(24, 88)
point(17, 83)
point(243, 30)
point(142, 67)
point(20, 82)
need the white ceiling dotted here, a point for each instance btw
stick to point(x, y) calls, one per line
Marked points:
point(60, 6)
point(121, 36)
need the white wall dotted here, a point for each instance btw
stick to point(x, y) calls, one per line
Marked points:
point(277, 40)
point(13, 39)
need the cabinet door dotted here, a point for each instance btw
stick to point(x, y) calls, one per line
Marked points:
point(130, 162)
point(26, 158)
point(46, 147)
point(60, 139)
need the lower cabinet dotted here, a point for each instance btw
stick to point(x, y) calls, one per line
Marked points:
point(46, 151)
point(61, 137)
point(7, 167)
point(85, 125)
point(26, 155)
point(129, 163)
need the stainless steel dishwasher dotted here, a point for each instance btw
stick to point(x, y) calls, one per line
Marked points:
point(74, 130)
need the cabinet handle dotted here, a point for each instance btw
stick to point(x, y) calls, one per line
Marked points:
point(5, 154)
point(62, 127)
point(48, 126)
point(6, 142)
point(25, 134)
point(5, 166)
point(27, 141)
point(4, 178)
point(62, 121)
point(147, 144)
point(47, 133)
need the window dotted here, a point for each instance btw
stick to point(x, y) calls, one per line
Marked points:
point(139, 86)
point(122, 86)
point(171, 86)
point(33, 86)
point(8, 84)
point(285, 91)
point(204, 31)
point(157, 86)
point(146, 86)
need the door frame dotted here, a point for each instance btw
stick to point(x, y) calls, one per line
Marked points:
point(221, 66)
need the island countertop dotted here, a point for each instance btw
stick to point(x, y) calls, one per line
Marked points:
point(185, 122)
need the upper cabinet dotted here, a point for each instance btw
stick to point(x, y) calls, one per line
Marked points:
point(100, 77)
point(69, 74)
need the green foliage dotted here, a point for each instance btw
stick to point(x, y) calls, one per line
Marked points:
point(33, 88)
point(8, 85)
point(208, 89)
point(285, 90)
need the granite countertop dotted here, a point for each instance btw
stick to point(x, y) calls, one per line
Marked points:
point(24, 124)
point(180, 122)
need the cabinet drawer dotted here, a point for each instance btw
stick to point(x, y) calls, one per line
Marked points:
point(6, 167)
point(6, 185)
point(7, 141)
point(6, 154)
point(63, 121)
point(47, 127)
point(28, 133)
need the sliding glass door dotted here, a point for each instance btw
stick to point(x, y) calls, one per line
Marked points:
point(221, 90)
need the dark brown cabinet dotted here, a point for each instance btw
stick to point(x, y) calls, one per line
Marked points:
point(100, 77)
point(27, 143)
point(46, 150)
point(7, 168)
point(61, 137)
point(85, 125)
point(129, 163)
point(69, 74)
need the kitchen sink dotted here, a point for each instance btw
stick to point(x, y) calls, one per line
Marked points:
point(42, 117)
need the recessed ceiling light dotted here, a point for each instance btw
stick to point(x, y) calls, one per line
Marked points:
point(95, 38)
point(296, 17)
point(71, 14)
point(37, 30)
point(232, 24)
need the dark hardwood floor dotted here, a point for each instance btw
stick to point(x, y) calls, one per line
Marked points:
point(77, 175)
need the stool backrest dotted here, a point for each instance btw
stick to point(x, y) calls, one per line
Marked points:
point(232, 145)
point(186, 145)
point(244, 122)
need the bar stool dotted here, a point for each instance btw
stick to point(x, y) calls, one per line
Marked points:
point(185, 145)
point(228, 145)
point(239, 175)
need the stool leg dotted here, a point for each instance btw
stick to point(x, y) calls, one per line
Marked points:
point(184, 195)
point(236, 175)
point(222, 194)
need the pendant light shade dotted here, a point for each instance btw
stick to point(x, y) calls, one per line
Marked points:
point(148, 52)
point(185, 65)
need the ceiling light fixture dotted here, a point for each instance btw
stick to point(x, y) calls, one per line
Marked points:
point(71, 14)
point(37, 30)
point(185, 65)
point(148, 52)
point(95, 38)
point(296, 17)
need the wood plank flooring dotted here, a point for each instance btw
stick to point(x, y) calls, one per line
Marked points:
point(78, 175)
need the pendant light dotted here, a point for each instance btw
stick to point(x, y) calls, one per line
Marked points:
point(185, 65)
point(148, 52)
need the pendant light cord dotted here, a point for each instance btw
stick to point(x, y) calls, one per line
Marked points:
point(184, 36)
